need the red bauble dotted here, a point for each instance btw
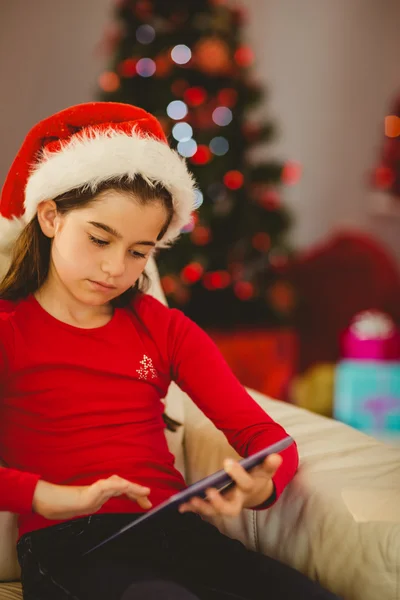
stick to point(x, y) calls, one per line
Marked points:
point(227, 97)
point(244, 290)
point(244, 56)
point(202, 155)
point(192, 272)
point(179, 86)
point(200, 235)
point(194, 96)
point(291, 173)
point(233, 180)
point(127, 68)
point(212, 56)
point(261, 241)
point(384, 177)
point(392, 126)
point(281, 296)
point(109, 81)
point(164, 65)
point(168, 284)
point(217, 280)
point(269, 199)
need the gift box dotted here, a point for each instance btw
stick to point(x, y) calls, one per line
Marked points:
point(367, 378)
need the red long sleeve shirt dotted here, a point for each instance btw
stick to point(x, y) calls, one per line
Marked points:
point(78, 405)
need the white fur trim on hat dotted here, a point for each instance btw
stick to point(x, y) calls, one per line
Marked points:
point(90, 159)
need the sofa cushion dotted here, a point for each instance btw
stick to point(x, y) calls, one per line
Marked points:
point(10, 591)
point(339, 519)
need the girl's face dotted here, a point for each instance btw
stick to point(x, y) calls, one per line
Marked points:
point(98, 252)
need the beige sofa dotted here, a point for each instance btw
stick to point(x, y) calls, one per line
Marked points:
point(338, 521)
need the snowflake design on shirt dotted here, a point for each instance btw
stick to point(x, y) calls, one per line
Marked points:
point(147, 369)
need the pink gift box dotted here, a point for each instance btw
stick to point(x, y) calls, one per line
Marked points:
point(372, 349)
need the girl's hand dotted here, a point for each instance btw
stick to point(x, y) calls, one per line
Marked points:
point(65, 502)
point(252, 489)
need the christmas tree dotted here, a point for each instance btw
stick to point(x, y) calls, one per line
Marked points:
point(185, 61)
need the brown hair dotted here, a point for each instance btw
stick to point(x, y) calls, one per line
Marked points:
point(30, 258)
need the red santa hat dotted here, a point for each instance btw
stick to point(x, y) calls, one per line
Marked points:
point(86, 145)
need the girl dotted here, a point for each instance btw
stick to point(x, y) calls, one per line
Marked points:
point(86, 358)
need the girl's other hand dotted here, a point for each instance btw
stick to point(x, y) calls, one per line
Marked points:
point(65, 502)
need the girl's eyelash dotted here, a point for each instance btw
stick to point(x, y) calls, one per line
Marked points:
point(97, 241)
point(103, 243)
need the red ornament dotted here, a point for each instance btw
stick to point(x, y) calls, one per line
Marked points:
point(168, 284)
point(127, 68)
point(200, 235)
point(233, 180)
point(281, 296)
point(244, 290)
point(384, 177)
point(182, 295)
point(143, 9)
point(216, 280)
point(109, 81)
point(192, 272)
point(195, 96)
point(163, 65)
point(212, 56)
point(392, 126)
point(269, 199)
point(202, 155)
point(291, 173)
point(244, 56)
point(261, 241)
point(278, 260)
point(178, 87)
point(227, 97)
point(251, 131)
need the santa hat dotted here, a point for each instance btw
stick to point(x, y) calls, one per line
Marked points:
point(85, 145)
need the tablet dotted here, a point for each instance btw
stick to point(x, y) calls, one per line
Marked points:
point(219, 480)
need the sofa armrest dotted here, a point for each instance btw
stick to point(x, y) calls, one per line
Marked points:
point(339, 519)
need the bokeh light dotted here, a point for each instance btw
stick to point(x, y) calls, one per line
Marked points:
point(145, 34)
point(177, 110)
point(219, 146)
point(199, 199)
point(222, 116)
point(192, 272)
point(202, 155)
point(146, 67)
point(181, 54)
point(233, 180)
point(182, 132)
point(109, 81)
point(244, 290)
point(187, 148)
point(291, 173)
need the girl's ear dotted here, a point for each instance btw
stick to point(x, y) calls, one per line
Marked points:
point(46, 214)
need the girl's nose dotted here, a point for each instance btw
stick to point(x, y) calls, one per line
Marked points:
point(114, 264)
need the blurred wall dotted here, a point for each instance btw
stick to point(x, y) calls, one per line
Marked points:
point(331, 68)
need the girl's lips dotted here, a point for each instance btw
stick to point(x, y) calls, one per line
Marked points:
point(104, 286)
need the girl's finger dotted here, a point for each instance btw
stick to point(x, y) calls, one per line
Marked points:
point(242, 478)
point(233, 506)
point(271, 464)
point(199, 506)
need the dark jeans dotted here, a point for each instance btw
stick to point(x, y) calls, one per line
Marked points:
point(177, 556)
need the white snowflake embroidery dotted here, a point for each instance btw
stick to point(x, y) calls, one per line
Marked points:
point(147, 369)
